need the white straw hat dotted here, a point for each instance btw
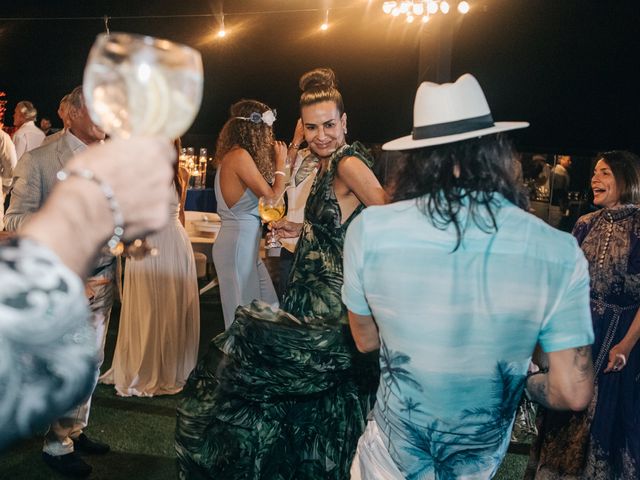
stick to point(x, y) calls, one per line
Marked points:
point(449, 113)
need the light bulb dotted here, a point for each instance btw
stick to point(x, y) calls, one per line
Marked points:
point(395, 12)
point(404, 7)
point(388, 6)
point(425, 19)
point(222, 33)
point(325, 24)
point(444, 7)
point(432, 7)
point(418, 8)
point(410, 18)
point(463, 7)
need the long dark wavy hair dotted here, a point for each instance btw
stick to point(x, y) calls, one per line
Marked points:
point(626, 171)
point(486, 166)
point(255, 138)
point(320, 85)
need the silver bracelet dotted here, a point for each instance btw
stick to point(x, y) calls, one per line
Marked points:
point(118, 219)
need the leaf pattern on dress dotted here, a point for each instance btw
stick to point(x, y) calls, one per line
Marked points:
point(315, 281)
point(309, 164)
point(283, 393)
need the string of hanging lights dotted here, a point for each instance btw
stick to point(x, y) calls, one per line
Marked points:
point(421, 9)
point(411, 10)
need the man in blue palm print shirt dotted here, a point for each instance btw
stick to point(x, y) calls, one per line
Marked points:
point(455, 283)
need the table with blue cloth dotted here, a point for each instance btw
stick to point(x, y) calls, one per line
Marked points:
point(201, 200)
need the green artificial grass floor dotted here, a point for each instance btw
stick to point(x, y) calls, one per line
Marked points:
point(140, 430)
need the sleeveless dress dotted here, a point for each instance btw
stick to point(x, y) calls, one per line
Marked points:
point(159, 329)
point(284, 394)
point(241, 273)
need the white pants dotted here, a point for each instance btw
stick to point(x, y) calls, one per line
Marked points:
point(372, 460)
point(59, 438)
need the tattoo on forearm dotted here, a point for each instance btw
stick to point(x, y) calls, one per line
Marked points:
point(552, 396)
point(583, 364)
point(537, 387)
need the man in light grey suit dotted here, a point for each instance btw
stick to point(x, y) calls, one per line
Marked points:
point(34, 177)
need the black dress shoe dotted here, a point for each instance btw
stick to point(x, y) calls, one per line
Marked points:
point(86, 445)
point(69, 465)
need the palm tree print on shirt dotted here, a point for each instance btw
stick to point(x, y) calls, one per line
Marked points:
point(508, 384)
point(421, 450)
point(393, 373)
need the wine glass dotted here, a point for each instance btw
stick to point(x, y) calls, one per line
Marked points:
point(271, 209)
point(140, 85)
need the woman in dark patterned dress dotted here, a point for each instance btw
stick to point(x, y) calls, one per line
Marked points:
point(284, 394)
point(604, 442)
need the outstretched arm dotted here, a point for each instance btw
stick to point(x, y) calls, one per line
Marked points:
point(76, 220)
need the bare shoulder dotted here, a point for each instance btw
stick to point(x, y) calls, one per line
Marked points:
point(356, 177)
point(351, 165)
point(237, 159)
point(236, 154)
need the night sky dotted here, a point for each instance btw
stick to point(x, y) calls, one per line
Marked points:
point(569, 67)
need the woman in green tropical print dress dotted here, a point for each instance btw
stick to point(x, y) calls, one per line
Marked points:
point(284, 394)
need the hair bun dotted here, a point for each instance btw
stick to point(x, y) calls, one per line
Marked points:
point(318, 78)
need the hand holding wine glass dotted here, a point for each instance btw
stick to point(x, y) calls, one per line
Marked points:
point(136, 85)
point(271, 209)
point(285, 228)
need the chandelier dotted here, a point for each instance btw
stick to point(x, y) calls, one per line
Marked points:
point(423, 9)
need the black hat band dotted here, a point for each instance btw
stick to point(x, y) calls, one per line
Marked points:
point(453, 128)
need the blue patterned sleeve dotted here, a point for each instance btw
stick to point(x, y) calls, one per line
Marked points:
point(47, 346)
point(353, 294)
